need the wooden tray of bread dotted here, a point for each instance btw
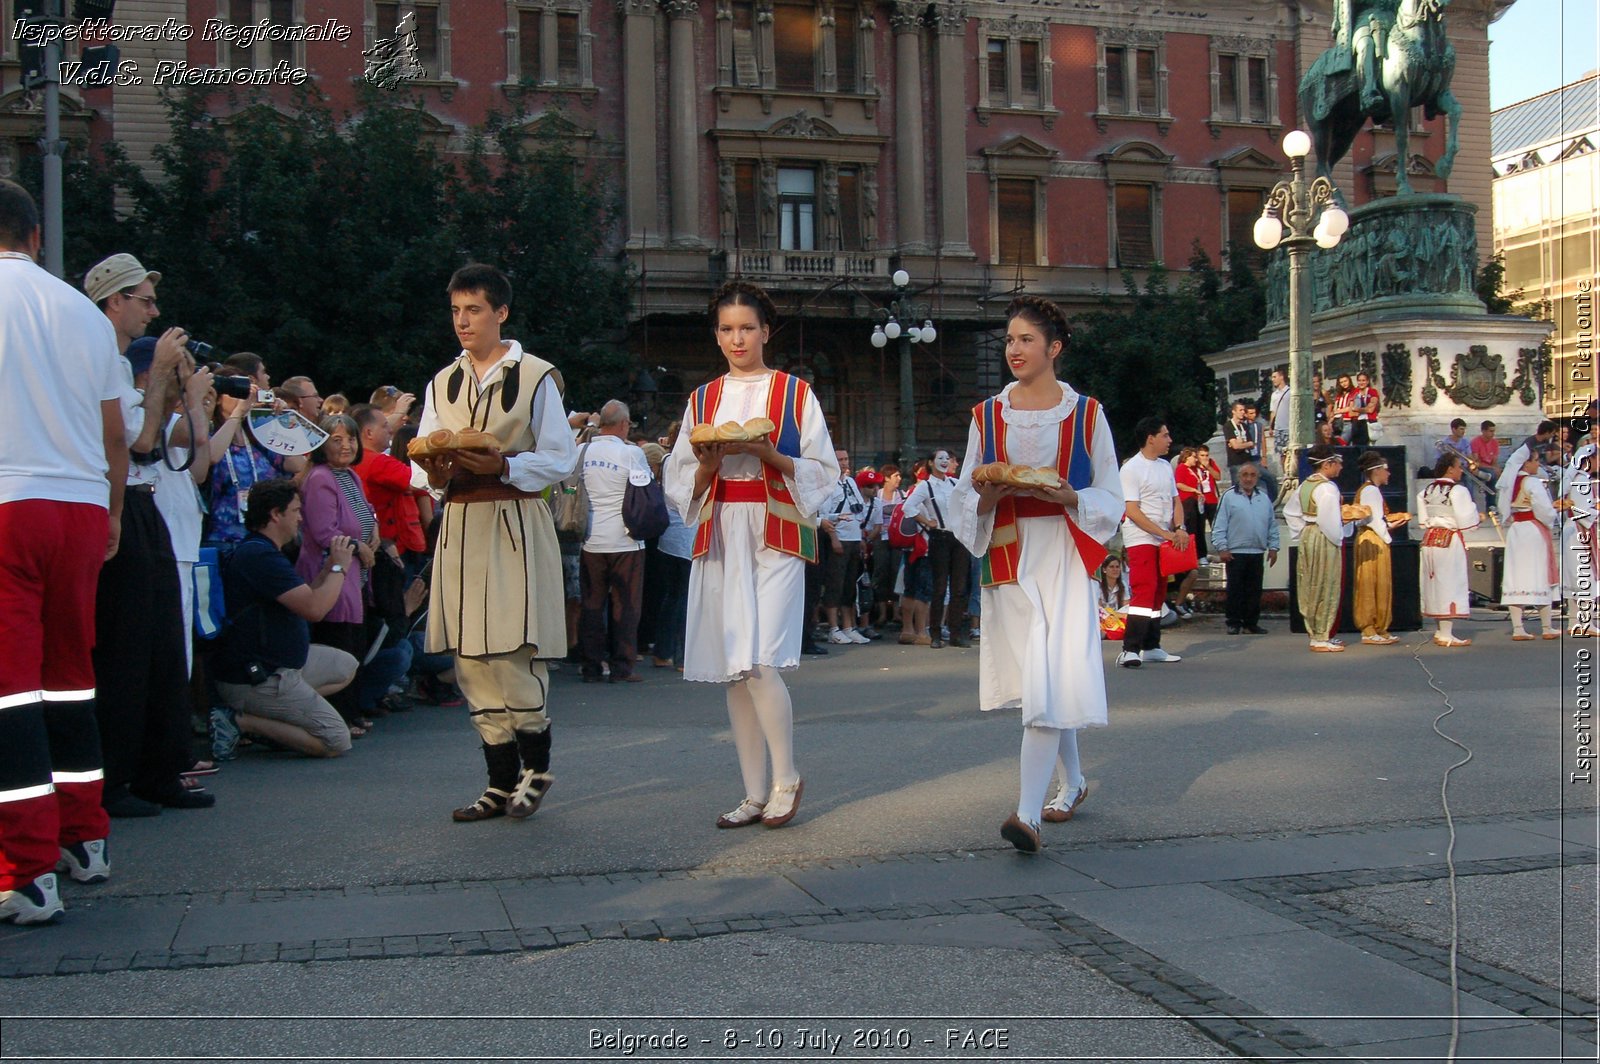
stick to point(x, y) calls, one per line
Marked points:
point(1397, 518)
point(1018, 476)
point(732, 432)
point(1562, 503)
point(443, 441)
point(1354, 511)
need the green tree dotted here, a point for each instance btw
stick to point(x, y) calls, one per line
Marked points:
point(324, 243)
point(1143, 354)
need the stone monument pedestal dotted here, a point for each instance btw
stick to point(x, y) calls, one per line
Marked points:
point(1395, 300)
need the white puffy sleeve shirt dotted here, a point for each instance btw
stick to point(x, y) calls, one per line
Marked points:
point(1033, 437)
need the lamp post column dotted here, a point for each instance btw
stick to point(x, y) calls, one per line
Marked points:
point(908, 407)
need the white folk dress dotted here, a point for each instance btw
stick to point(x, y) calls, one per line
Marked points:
point(1041, 635)
point(1579, 575)
point(746, 600)
point(1447, 506)
point(1530, 547)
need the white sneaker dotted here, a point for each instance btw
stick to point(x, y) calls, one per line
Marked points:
point(85, 861)
point(854, 636)
point(1159, 655)
point(1129, 660)
point(838, 636)
point(37, 903)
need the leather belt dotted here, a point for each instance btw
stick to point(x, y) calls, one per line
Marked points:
point(483, 487)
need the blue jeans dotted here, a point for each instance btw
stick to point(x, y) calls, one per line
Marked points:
point(387, 667)
point(422, 661)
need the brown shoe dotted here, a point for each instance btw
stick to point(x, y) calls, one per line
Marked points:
point(923, 641)
point(1025, 837)
point(907, 639)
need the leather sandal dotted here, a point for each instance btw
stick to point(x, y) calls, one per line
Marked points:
point(490, 804)
point(1058, 812)
point(528, 793)
point(746, 813)
point(782, 794)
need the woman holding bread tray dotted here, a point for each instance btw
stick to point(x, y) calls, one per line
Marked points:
point(749, 478)
point(1039, 529)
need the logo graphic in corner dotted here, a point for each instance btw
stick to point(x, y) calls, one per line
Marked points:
point(394, 59)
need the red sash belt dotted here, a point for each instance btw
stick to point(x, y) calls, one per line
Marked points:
point(740, 491)
point(1442, 537)
point(1525, 515)
point(1028, 506)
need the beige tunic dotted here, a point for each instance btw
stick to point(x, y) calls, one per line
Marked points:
point(497, 583)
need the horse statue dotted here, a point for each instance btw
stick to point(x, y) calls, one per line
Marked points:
point(1387, 58)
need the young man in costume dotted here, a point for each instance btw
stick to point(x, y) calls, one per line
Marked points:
point(497, 587)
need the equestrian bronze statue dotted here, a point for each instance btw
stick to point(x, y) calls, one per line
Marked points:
point(1388, 56)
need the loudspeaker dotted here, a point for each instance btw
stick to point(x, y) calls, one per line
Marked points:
point(1485, 572)
point(1406, 611)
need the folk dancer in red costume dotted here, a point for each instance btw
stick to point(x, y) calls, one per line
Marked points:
point(753, 504)
point(1446, 512)
point(1039, 549)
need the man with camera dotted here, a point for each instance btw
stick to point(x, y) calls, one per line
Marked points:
point(63, 463)
point(265, 664)
point(142, 703)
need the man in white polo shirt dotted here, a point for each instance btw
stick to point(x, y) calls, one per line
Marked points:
point(63, 463)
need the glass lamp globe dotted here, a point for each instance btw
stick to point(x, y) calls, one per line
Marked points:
point(1336, 221)
point(1296, 144)
point(1324, 238)
point(878, 339)
point(914, 334)
point(928, 332)
point(901, 278)
point(1268, 232)
point(892, 330)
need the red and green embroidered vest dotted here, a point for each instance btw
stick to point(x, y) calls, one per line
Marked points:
point(787, 529)
point(1073, 462)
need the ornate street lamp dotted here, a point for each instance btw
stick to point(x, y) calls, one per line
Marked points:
point(1311, 216)
point(902, 309)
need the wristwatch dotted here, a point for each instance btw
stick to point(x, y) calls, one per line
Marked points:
point(335, 568)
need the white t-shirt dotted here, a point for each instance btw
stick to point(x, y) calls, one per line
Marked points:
point(1150, 483)
point(847, 509)
point(58, 362)
point(178, 500)
point(610, 464)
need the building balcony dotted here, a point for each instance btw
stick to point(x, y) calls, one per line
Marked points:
point(776, 266)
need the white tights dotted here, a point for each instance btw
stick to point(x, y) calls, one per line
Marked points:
point(1043, 751)
point(762, 719)
point(1516, 618)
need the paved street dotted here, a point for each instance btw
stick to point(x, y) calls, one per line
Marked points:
point(1258, 872)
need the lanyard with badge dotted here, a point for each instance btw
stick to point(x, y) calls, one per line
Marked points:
point(241, 489)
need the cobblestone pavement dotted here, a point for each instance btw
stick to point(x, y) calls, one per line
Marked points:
point(1247, 880)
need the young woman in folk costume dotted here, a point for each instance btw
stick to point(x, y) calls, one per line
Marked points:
point(1039, 549)
point(1445, 511)
point(753, 505)
point(1581, 568)
point(1373, 605)
point(1532, 566)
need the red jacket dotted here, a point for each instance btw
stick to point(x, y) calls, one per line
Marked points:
point(387, 484)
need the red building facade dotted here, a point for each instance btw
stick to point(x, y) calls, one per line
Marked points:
point(814, 146)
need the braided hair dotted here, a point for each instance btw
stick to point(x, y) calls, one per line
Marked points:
point(1045, 315)
point(743, 293)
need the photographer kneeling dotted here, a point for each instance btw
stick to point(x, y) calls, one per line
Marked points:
point(265, 664)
